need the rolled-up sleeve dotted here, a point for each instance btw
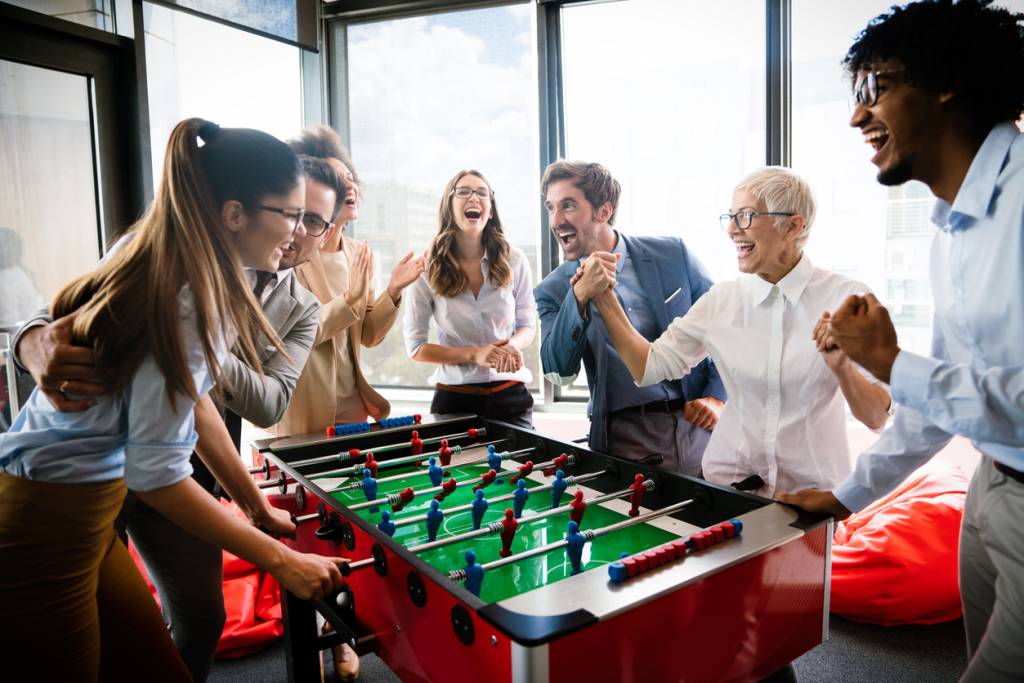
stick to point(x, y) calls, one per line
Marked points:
point(681, 346)
point(161, 431)
point(419, 306)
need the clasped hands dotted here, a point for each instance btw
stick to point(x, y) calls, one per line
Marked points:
point(860, 330)
point(594, 277)
point(500, 356)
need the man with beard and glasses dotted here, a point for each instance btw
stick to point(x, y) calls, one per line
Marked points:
point(658, 279)
point(937, 88)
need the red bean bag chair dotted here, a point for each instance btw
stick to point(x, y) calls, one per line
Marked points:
point(895, 562)
point(252, 601)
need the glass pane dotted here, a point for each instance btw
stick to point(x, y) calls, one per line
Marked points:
point(49, 230)
point(673, 105)
point(669, 96)
point(431, 96)
point(893, 233)
point(891, 226)
point(198, 67)
point(94, 13)
point(276, 17)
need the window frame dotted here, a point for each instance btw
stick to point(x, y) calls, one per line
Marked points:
point(551, 109)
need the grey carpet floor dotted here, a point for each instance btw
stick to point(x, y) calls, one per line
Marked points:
point(855, 653)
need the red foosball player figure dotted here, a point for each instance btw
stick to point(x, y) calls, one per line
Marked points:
point(371, 464)
point(578, 507)
point(637, 496)
point(416, 443)
point(446, 489)
point(523, 471)
point(445, 453)
point(486, 479)
point(404, 498)
point(559, 462)
point(508, 532)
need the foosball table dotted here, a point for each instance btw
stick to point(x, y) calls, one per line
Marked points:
point(480, 551)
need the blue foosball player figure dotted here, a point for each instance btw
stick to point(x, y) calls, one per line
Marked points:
point(434, 517)
point(519, 501)
point(474, 574)
point(369, 487)
point(494, 461)
point(558, 487)
point(435, 472)
point(479, 508)
point(386, 525)
point(574, 549)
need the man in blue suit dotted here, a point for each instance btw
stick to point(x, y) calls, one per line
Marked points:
point(657, 279)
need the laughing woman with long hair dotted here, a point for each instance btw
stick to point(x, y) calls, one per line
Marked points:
point(479, 291)
point(160, 314)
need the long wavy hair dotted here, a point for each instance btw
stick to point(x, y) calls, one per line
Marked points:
point(444, 272)
point(128, 307)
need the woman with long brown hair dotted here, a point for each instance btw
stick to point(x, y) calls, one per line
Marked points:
point(478, 289)
point(160, 314)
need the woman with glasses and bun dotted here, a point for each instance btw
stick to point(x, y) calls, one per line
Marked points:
point(159, 314)
point(784, 425)
point(478, 290)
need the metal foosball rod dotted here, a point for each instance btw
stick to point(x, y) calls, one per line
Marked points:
point(404, 497)
point(496, 527)
point(569, 481)
point(588, 535)
point(355, 452)
point(357, 469)
point(478, 461)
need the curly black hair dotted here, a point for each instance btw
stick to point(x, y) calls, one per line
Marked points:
point(966, 47)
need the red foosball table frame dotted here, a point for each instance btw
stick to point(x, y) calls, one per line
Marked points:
point(737, 611)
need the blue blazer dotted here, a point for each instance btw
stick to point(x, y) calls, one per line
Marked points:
point(664, 265)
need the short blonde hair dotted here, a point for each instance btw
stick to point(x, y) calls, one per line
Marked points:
point(779, 189)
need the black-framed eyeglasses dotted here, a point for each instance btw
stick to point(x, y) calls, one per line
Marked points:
point(314, 225)
point(865, 88)
point(743, 219)
point(294, 214)
point(466, 192)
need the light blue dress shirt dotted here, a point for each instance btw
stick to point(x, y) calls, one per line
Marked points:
point(137, 433)
point(973, 385)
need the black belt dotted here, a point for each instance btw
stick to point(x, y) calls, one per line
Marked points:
point(668, 405)
point(1016, 475)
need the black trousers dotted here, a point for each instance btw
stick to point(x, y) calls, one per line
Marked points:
point(513, 405)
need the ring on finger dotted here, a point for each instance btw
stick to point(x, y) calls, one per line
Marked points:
point(63, 387)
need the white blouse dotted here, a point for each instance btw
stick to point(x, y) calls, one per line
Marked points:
point(464, 320)
point(784, 419)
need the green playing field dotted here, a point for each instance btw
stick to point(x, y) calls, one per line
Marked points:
point(517, 577)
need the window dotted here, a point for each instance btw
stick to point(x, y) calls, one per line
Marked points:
point(876, 234)
point(49, 225)
point(94, 13)
point(430, 96)
point(197, 67)
point(670, 97)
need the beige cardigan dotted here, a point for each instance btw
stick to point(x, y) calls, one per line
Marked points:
point(313, 403)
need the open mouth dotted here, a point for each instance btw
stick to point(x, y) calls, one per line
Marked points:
point(567, 236)
point(877, 138)
point(472, 214)
point(744, 249)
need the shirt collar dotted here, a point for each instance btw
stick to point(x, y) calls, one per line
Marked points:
point(975, 194)
point(791, 286)
point(620, 248)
